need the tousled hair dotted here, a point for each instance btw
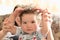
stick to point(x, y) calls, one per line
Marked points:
point(28, 11)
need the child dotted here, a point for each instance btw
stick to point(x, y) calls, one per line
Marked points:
point(29, 24)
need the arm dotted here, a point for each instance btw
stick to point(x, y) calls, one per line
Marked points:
point(8, 24)
point(50, 35)
point(46, 25)
point(2, 34)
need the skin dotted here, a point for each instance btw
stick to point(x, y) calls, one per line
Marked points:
point(8, 25)
point(29, 24)
point(18, 21)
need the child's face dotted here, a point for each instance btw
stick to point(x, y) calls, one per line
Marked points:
point(29, 23)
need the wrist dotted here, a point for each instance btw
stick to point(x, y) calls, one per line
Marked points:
point(4, 32)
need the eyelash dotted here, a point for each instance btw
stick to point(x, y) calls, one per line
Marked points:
point(32, 22)
point(26, 22)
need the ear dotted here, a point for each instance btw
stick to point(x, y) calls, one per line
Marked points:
point(18, 21)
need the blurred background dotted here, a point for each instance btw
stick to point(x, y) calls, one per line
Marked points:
point(7, 6)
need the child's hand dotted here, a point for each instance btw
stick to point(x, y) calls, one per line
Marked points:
point(8, 26)
point(18, 10)
point(46, 17)
point(46, 21)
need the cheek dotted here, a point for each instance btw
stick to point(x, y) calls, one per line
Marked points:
point(34, 27)
point(23, 27)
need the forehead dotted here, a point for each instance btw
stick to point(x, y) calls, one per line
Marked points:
point(29, 16)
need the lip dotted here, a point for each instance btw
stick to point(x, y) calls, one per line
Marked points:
point(29, 29)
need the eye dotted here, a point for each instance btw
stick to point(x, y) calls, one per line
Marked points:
point(24, 22)
point(33, 22)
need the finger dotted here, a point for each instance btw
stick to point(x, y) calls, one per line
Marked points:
point(6, 19)
point(6, 27)
point(7, 30)
point(45, 11)
point(13, 28)
point(46, 15)
point(47, 18)
point(6, 23)
point(19, 9)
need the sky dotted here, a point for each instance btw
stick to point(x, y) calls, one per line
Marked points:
point(7, 6)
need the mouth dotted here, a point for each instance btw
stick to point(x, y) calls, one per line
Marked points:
point(29, 29)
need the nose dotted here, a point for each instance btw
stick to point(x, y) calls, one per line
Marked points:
point(29, 25)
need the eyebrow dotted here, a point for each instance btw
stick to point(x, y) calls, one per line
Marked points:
point(26, 21)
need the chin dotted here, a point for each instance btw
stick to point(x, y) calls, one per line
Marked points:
point(30, 32)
